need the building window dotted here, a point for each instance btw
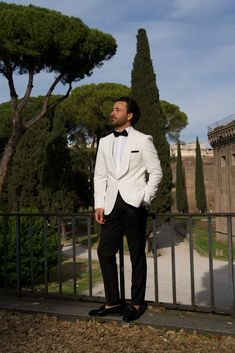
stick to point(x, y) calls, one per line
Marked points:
point(233, 158)
point(223, 161)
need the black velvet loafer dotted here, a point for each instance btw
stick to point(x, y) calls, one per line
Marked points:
point(131, 313)
point(103, 311)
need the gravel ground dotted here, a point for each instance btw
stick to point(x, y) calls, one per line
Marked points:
point(21, 333)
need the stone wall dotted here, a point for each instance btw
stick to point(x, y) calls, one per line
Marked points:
point(209, 178)
point(222, 139)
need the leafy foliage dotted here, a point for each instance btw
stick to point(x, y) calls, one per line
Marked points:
point(40, 39)
point(32, 249)
point(46, 173)
point(34, 39)
point(88, 109)
point(175, 120)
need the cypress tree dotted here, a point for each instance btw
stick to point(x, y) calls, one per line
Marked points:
point(145, 91)
point(199, 181)
point(181, 195)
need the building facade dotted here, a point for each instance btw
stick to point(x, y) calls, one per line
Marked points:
point(221, 137)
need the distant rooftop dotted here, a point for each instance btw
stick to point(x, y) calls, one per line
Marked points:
point(189, 149)
point(221, 122)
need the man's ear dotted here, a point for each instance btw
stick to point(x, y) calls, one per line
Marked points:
point(129, 116)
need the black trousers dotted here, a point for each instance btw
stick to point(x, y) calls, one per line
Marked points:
point(131, 221)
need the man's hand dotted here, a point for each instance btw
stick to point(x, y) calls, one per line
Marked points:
point(99, 215)
point(146, 205)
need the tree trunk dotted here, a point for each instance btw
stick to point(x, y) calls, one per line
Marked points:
point(9, 150)
point(19, 127)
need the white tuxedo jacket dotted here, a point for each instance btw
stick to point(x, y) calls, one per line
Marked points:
point(139, 157)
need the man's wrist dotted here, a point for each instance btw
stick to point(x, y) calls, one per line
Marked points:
point(146, 205)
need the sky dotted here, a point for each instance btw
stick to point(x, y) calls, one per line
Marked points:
point(192, 45)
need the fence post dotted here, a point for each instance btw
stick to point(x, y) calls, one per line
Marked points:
point(89, 254)
point(173, 270)
point(45, 254)
point(5, 245)
point(211, 271)
point(190, 231)
point(74, 257)
point(59, 254)
point(230, 263)
point(155, 257)
point(31, 252)
point(18, 265)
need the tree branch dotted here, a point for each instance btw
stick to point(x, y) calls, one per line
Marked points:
point(28, 91)
point(9, 76)
point(61, 99)
point(46, 107)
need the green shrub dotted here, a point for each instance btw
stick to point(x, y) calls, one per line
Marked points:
point(34, 249)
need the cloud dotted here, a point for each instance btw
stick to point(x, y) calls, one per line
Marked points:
point(200, 8)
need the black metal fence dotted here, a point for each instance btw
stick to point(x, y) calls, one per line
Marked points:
point(55, 255)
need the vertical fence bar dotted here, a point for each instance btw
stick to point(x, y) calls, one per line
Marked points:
point(89, 254)
point(155, 263)
point(74, 257)
point(45, 254)
point(31, 252)
point(230, 263)
point(121, 273)
point(18, 259)
point(5, 246)
point(192, 280)
point(59, 252)
point(172, 223)
point(211, 272)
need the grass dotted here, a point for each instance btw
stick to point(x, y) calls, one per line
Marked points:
point(200, 242)
point(200, 238)
point(95, 241)
point(82, 277)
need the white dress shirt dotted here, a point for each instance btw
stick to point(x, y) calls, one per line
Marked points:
point(118, 147)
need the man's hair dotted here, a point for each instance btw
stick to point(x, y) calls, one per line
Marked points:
point(132, 107)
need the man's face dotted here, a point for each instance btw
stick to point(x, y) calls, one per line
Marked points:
point(120, 118)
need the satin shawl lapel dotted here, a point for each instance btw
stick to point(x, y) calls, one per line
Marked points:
point(126, 153)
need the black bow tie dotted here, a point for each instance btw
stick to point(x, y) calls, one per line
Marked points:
point(120, 133)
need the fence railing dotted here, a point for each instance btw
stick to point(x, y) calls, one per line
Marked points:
point(220, 123)
point(190, 263)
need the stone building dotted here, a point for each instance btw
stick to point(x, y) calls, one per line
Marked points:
point(188, 155)
point(189, 149)
point(189, 170)
point(221, 137)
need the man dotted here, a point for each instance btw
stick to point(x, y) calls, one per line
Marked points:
point(122, 196)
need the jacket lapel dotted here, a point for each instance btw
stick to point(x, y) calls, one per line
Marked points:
point(126, 153)
point(111, 164)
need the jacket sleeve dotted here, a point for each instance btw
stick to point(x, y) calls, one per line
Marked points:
point(154, 170)
point(100, 179)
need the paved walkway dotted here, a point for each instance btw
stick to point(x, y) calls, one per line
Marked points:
point(222, 292)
